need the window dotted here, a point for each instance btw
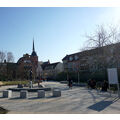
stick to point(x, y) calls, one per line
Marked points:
point(76, 57)
point(112, 50)
point(27, 61)
point(70, 65)
point(64, 61)
point(70, 58)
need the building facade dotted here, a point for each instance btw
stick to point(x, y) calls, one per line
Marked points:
point(27, 63)
point(49, 70)
point(93, 60)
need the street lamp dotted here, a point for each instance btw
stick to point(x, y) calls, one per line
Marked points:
point(31, 78)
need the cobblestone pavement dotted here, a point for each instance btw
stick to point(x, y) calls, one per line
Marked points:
point(78, 100)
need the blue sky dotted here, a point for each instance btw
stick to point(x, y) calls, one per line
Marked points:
point(56, 31)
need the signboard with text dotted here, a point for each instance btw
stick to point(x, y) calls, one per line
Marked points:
point(112, 76)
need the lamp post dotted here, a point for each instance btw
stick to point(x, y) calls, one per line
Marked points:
point(67, 75)
point(31, 78)
point(78, 72)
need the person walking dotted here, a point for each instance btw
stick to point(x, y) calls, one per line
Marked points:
point(70, 82)
point(104, 86)
point(93, 84)
point(89, 83)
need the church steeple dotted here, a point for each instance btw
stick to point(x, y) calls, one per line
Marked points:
point(33, 51)
point(33, 45)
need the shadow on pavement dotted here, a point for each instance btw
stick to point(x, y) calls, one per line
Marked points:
point(1, 97)
point(52, 97)
point(14, 98)
point(102, 105)
point(94, 98)
point(33, 98)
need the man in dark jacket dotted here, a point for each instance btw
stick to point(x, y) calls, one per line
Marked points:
point(70, 82)
point(105, 86)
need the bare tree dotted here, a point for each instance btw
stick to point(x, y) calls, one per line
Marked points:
point(103, 42)
point(101, 37)
point(10, 57)
point(2, 56)
point(3, 65)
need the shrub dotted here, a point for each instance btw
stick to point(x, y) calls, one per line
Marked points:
point(3, 78)
point(15, 82)
point(61, 76)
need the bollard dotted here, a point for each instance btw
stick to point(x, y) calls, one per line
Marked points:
point(23, 94)
point(41, 93)
point(7, 94)
point(56, 93)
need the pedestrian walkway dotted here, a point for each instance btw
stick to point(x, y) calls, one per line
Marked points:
point(78, 100)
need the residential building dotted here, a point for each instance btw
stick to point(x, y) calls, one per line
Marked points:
point(50, 70)
point(93, 60)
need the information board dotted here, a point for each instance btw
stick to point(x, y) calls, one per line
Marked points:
point(112, 76)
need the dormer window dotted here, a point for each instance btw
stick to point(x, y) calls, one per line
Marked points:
point(70, 58)
point(76, 57)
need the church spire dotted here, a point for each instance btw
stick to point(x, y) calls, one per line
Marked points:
point(33, 45)
point(33, 52)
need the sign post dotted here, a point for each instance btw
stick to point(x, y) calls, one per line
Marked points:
point(113, 78)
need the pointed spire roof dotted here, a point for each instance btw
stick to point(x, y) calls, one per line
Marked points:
point(33, 45)
point(33, 52)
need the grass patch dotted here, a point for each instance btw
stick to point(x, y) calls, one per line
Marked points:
point(3, 111)
point(14, 82)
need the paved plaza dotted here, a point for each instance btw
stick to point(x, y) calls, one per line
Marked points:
point(78, 100)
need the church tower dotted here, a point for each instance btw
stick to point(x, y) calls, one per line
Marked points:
point(34, 57)
point(27, 63)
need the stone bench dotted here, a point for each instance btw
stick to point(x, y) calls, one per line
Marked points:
point(23, 94)
point(7, 94)
point(41, 93)
point(56, 93)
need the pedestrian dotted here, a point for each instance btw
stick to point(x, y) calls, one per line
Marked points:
point(104, 86)
point(93, 84)
point(70, 82)
point(89, 83)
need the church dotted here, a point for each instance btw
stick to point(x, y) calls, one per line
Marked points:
point(27, 63)
point(45, 70)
